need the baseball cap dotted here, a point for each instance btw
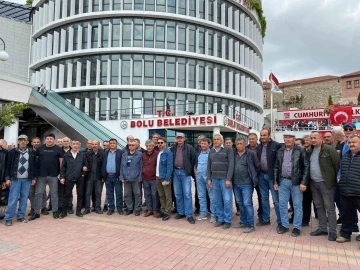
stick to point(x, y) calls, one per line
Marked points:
point(179, 134)
point(23, 136)
point(289, 133)
point(349, 124)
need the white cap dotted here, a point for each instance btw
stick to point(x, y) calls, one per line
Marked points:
point(289, 133)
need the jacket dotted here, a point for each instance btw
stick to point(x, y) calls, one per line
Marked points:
point(189, 158)
point(221, 164)
point(99, 161)
point(132, 173)
point(149, 165)
point(117, 162)
point(251, 161)
point(3, 154)
point(349, 183)
point(72, 169)
point(257, 162)
point(271, 152)
point(12, 163)
point(166, 165)
point(300, 171)
point(329, 161)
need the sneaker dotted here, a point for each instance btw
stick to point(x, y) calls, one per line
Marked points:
point(249, 229)
point(240, 226)
point(341, 239)
point(226, 225)
point(201, 217)
point(295, 232)
point(219, 224)
point(23, 220)
point(32, 211)
point(282, 230)
point(212, 219)
point(8, 222)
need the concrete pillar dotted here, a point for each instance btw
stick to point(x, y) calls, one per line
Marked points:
point(216, 130)
point(11, 133)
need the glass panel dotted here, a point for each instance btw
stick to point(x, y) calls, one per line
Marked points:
point(181, 72)
point(191, 103)
point(201, 40)
point(86, 6)
point(171, 35)
point(103, 70)
point(192, 8)
point(170, 71)
point(95, 6)
point(219, 12)
point(192, 38)
point(172, 6)
point(74, 67)
point(219, 45)
point(160, 5)
point(149, 33)
point(137, 70)
point(192, 72)
point(126, 33)
point(83, 73)
point(218, 88)
point(113, 108)
point(211, 10)
point(202, 9)
point(93, 70)
point(84, 35)
point(114, 71)
point(128, 4)
point(137, 106)
point(182, 7)
point(94, 35)
point(182, 36)
point(210, 77)
point(117, 4)
point(105, 34)
point(160, 34)
point(115, 32)
point(148, 107)
point(138, 33)
point(210, 42)
point(125, 108)
point(150, 5)
point(139, 4)
point(125, 69)
point(160, 70)
point(106, 5)
point(201, 84)
point(149, 70)
point(75, 37)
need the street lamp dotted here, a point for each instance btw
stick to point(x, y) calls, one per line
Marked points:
point(3, 54)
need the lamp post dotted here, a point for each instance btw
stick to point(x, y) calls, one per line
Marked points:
point(3, 54)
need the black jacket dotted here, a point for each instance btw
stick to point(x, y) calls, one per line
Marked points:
point(99, 161)
point(349, 183)
point(271, 152)
point(189, 158)
point(3, 154)
point(12, 163)
point(117, 161)
point(72, 169)
point(300, 171)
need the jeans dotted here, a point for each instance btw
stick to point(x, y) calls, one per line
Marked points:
point(40, 189)
point(266, 184)
point(351, 204)
point(165, 196)
point(286, 188)
point(260, 210)
point(32, 198)
point(243, 194)
point(113, 183)
point(69, 186)
point(203, 190)
point(223, 198)
point(132, 195)
point(182, 190)
point(91, 185)
point(19, 191)
point(151, 195)
point(324, 203)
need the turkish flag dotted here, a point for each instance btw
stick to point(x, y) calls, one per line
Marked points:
point(339, 115)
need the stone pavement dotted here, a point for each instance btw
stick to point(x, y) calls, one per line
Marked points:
point(130, 242)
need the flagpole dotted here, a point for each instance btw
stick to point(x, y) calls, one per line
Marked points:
point(271, 115)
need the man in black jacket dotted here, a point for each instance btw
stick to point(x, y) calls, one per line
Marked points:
point(184, 162)
point(291, 173)
point(3, 153)
point(20, 173)
point(267, 155)
point(72, 172)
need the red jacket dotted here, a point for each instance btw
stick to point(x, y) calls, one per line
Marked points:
point(149, 165)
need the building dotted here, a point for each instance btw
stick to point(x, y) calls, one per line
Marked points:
point(118, 61)
point(350, 86)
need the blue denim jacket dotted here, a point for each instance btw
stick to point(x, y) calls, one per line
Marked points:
point(132, 173)
point(166, 165)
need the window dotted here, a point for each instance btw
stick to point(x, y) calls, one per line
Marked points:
point(192, 38)
point(137, 69)
point(202, 9)
point(181, 108)
point(76, 7)
point(103, 107)
point(114, 69)
point(84, 35)
point(117, 4)
point(182, 36)
point(105, 34)
point(182, 7)
point(192, 72)
point(170, 71)
point(201, 40)
point(219, 45)
point(148, 106)
point(181, 72)
point(201, 84)
point(149, 70)
point(125, 104)
point(226, 14)
point(106, 5)
point(94, 35)
point(211, 10)
point(93, 66)
point(348, 85)
point(126, 33)
point(67, 39)
point(356, 83)
point(86, 6)
point(226, 80)
point(219, 11)
point(95, 6)
point(160, 70)
point(172, 6)
point(192, 8)
point(75, 37)
point(201, 104)
point(191, 103)
point(171, 35)
point(128, 4)
point(210, 102)
point(83, 73)
point(210, 42)
point(137, 103)
point(149, 33)
point(218, 83)
point(125, 69)
point(74, 68)
point(116, 33)
point(160, 5)
point(138, 33)
point(150, 5)
point(226, 47)
point(139, 4)
point(160, 34)
point(210, 77)
point(160, 101)
point(103, 70)
point(114, 97)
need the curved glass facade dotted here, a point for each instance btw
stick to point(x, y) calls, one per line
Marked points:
point(122, 55)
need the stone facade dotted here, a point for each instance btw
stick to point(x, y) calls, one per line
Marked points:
point(350, 93)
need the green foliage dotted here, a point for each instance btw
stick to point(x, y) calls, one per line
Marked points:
point(330, 101)
point(8, 112)
point(256, 5)
point(29, 2)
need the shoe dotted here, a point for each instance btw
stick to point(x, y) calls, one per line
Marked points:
point(341, 239)
point(278, 227)
point(48, 209)
point(120, 212)
point(165, 217)
point(145, 211)
point(55, 215)
point(305, 224)
point(148, 214)
point(160, 215)
point(32, 211)
point(78, 214)
point(282, 230)
point(212, 219)
point(100, 212)
point(191, 220)
point(70, 211)
point(318, 232)
point(106, 208)
point(219, 224)
point(110, 212)
point(339, 221)
point(238, 213)
point(201, 217)
point(8, 222)
point(263, 223)
point(358, 238)
point(63, 215)
point(34, 216)
point(23, 220)
point(44, 212)
point(137, 213)
point(295, 232)
point(332, 236)
point(174, 211)
point(226, 225)
point(87, 211)
point(179, 216)
point(93, 210)
point(155, 214)
point(240, 226)
point(197, 211)
point(129, 212)
point(249, 229)
point(355, 229)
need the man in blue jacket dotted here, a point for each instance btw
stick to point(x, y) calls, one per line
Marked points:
point(164, 170)
point(20, 173)
point(131, 176)
point(110, 174)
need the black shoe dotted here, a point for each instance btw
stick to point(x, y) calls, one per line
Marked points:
point(318, 232)
point(70, 211)
point(191, 220)
point(63, 215)
point(120, 212)
point(23, 220)
point(78, 214)
point(165, 217)
point(162, 215)
point(339, 221)
point(129, 212)
point(219, 224)
point(295, 232)
point(263, 223)
point(305, 224)
point(100, 212)
point(8, 222)
point(49, 209)
point(110, 212)
point(106, 208)
point(282, 230)
point(44, 212)
point(179, 216)
point(93, 210)
point(137, 213)
point(174, 211)
point(358, 238)
point(87, 211)
point(34, 216)
point(197, 211)
point(332, 236)
point(32, 211)
point(55, 215)
point(226, 225)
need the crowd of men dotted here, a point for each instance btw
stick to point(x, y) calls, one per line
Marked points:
point(300, 171)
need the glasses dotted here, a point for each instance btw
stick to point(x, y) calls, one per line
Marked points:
point(131, 144)
point(160, 142)
point(348, 129)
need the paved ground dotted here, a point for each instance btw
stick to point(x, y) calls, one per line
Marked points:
point(119, 242)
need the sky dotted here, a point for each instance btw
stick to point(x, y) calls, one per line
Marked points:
point(310, 38)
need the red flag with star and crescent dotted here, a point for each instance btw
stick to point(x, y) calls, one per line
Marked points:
point(340, 115)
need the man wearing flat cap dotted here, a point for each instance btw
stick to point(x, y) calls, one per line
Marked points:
point(291, 172)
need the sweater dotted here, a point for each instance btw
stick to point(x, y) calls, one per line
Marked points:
point(221, 164)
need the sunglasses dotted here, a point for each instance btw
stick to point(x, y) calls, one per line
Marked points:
point(348, 129)
point(131, 144)
point(160, 142)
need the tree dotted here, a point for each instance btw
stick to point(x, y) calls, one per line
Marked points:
point(8, 112)
point(330, 101)
point(29, 2)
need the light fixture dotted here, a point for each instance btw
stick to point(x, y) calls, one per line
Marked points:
point(3, 54)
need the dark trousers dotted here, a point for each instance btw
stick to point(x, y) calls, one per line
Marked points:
point(132, 196)
point(197, 203)
point(61, 191)
point(351, 204)
point(151, 195)
point(91, 186)
point(69, 185)
point(340, 207)
point(260, 210)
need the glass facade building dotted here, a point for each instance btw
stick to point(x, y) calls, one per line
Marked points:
point(118, 59)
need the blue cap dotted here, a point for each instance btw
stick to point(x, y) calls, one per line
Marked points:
point(349, 124)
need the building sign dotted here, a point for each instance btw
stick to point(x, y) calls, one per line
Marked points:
point(231, 123)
